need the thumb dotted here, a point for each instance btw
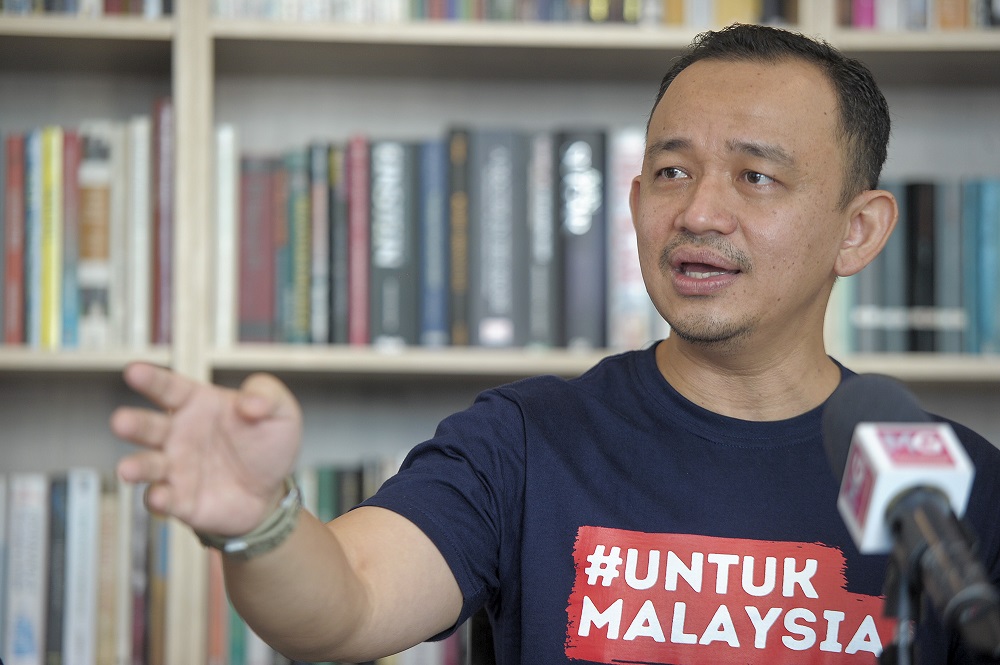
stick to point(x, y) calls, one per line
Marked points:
point(263, 396)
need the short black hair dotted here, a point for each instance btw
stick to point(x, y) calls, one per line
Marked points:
point(864, 114)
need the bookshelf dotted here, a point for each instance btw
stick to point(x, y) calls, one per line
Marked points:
point(405, 79)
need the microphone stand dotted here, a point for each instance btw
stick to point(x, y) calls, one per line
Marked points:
point(903, 593)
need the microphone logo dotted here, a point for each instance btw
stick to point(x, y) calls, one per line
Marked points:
point(915, 444)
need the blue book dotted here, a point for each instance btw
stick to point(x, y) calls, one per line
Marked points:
point(33, 237)
point(970, 263)
point(72, 154)
point(434, 243)
point(989, 266)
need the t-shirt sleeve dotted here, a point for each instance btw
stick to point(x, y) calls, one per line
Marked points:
point(464, 488)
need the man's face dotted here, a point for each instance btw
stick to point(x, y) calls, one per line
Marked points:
point(736, 209)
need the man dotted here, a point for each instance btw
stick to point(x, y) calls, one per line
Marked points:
point(672, 505)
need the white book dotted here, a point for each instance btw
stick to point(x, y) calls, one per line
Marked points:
point(4, 548)
point(888, 16)
point(83, 535)
point(629, 318)
point(94, 263)
point(138, 233)
point(24, 640)
point(108, 572)
point(699, 14)
point(91, 8)
point(152, 9)
point(227, 174)
point(126, 497)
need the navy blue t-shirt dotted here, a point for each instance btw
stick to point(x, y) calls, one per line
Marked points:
point(608, 519)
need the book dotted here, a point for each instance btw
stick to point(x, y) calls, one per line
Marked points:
point(55, 604)
point(51, 218)
point(544, 258)
point(894, 319)
point(319, 210)
point(950, 321)
point(94, 260)
point(27, 582)
point(359, 252)
point(971, 259)
point(630, 312)
point(435, 323)
point(256, 260)
point(217, 612)
point(458, 227)
point(920, 276)
point(83, 532)
point(34, 251)
point(227, 190)
point(339, 252)
point(298, 276)
point(125, 542)
point(582, 221)
point(737, 11)
point(281, 289)
point(108, 578)
point(118, 235)
point(137, 301)
point(70, 291)
point(13, 243)
point(988, 284)
point(140, 590)
point(498, 238)
point(163, 154)
point(394, 261)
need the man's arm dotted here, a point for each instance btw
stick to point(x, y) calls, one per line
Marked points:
point(368, 584)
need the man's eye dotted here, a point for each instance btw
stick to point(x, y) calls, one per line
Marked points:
point(755, 178)
point(672, 173)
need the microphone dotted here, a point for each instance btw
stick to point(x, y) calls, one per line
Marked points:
point(903, 479)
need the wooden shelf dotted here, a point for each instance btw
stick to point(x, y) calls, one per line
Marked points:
point(66, 44)
point(23, 359)
point(506, 363)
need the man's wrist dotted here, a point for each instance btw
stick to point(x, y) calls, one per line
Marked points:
point(271, 533)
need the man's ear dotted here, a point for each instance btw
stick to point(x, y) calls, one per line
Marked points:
point(873, 216)
point(633, 198)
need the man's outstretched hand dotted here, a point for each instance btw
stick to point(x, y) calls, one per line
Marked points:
point(215, 458)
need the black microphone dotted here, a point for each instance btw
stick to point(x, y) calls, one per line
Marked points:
point(903, 477)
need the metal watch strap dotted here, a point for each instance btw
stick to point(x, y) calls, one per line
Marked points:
point(271, 533)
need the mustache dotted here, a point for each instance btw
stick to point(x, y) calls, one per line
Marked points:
point(717, 244)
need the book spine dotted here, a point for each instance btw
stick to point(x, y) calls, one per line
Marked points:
point(26, 569)
point(33, 246)
point(581, 215)
point(458, 226)
point(282, 247)
point(892, 299)
point(52, 237)
point(123, 573)
point(498, 315)
point(989, 266)
point(72, 151)
point(339, 246)
point(227, 166)
point(13, 276)
point(94, 261)
point(971, 262)
point(83, 508)
point(434, 245)
point(255, 312)
point(544, 320)
point(629, 321)
point(921, 206)
point(319, 208)
point(950, 321)
point(138, 234)
point(298, 320)
point(139, 577)
point(163, 221)
point(394, 284)
point(55, 609)
point(118, 236)
point(108, 565)
point(357, 172)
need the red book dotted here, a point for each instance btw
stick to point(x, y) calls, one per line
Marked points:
point(256, 254)
point(358, 264)
point(13, 279)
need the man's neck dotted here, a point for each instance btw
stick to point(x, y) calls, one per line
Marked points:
point(749, 386)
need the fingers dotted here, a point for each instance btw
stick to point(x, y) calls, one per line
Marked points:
point(165, 388)
point(140, 426)
point(143, 467)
